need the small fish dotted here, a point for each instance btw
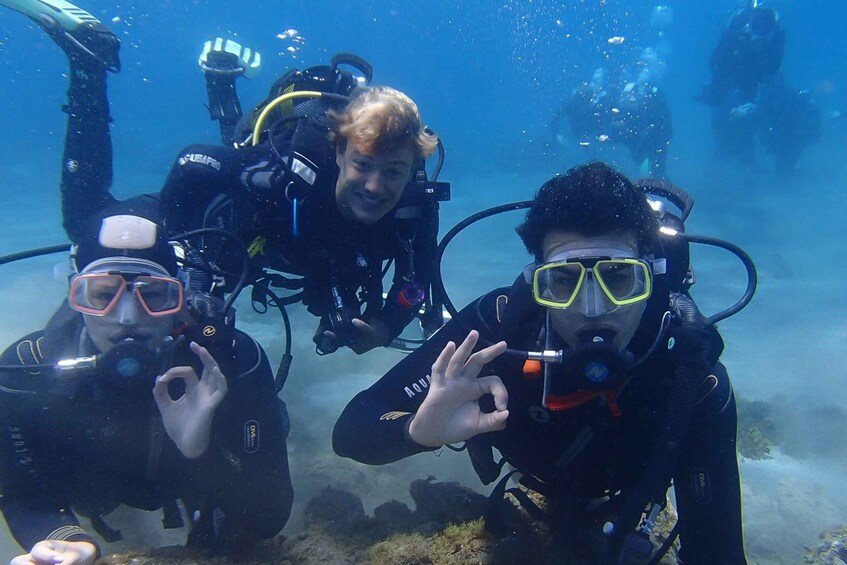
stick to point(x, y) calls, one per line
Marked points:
point(602, 137)
point(616, 40)
point(584, 144)
point(116, 20)
point(291, 49)
point(616, 110)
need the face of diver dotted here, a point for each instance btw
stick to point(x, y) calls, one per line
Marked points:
point(127, 320)
point(584, 315)
point(370, 184)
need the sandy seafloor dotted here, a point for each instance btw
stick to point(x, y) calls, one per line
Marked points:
point(788, 345)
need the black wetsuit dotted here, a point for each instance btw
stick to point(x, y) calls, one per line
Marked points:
point(70, 442)
point(742, 60)
point(789, 121)
point(373, 429)
point(644, 124)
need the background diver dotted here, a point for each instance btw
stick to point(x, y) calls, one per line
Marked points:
point(621, 109)
point(749, 53)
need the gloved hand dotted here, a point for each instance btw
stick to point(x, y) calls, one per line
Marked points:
point(226, 57)
point(691, 341)
point(368, 335)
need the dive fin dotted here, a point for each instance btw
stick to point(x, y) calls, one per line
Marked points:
point(51, 13)
point(225, 56)
point(643, 169)
point(79, 34)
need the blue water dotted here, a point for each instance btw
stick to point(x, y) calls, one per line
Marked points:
point(488, 76)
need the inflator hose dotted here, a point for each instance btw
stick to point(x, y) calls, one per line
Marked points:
point(663, 458)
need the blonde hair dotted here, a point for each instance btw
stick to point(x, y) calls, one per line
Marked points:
point(380, 119)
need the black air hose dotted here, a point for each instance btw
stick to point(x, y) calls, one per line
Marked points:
point(663, 457)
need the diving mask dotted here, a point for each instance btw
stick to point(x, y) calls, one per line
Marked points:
point(97, 293)
point(597, 281)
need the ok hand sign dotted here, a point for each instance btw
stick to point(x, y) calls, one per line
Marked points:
point(450, 412)
point(188, 419)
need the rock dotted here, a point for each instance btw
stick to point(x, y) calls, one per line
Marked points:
point(832, 549)
point(446, 503)
point(334, 506)
point(394, 516)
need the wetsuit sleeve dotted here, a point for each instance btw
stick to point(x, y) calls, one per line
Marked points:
point(373, 428)
point(32, 503)
point(707, 484)
point(199, 175)
point(245, 470)
point(87, 159)
point(397, 312)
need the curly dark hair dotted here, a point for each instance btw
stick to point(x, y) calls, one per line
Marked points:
point(591, 200)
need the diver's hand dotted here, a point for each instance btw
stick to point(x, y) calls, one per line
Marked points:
point(450, 412)
point(742, 111)
point(188, 420)
point(366, 335)
point(52, 552)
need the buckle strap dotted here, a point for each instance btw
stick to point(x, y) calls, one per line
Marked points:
point(101, 527)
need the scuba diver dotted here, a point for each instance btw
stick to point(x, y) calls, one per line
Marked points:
point(749, 52)
point(643, 123)
point(134, 395)
point(626, 108)
point(329, 185)
point(331, 201)
point(787, 120)
point(611, 386)
point(588, 108)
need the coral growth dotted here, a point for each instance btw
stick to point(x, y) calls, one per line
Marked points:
point(832, 549)
point(447, 526)
point(756, 429)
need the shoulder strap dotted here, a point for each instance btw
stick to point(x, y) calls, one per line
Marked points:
point(518, 315)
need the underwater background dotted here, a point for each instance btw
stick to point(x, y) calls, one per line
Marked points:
point(488, 76)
